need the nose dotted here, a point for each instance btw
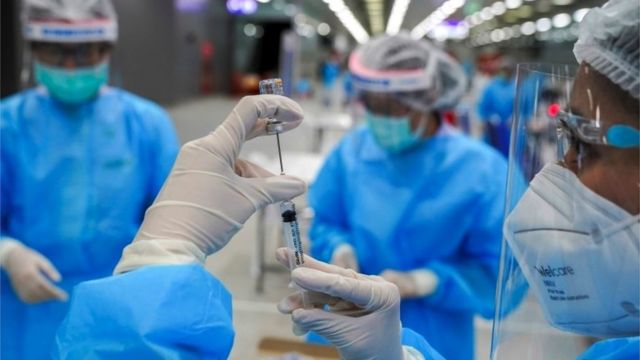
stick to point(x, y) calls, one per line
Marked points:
point(69, 62)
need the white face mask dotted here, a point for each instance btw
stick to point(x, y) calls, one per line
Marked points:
point(580, 253)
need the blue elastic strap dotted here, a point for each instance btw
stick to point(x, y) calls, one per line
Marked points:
point(623, 136)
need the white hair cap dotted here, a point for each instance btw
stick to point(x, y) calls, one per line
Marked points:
point(609, 41)
point(428, 76)
point(69, 21)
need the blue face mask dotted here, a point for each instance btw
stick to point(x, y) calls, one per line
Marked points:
point(393, 132)
point(72, 86)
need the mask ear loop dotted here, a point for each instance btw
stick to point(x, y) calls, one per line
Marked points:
point(580, 157)
point(601, 235)
point(422, 126)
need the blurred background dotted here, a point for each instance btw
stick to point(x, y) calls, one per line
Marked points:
point(197, 57)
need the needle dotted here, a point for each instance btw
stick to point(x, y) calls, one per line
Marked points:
point(279, 154)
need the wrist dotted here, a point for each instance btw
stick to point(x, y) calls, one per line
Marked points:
point(158, 252)
point(426, 281)
point(7, 246)
point(341, 250)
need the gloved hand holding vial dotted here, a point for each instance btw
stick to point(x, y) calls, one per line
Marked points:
point(287, 208)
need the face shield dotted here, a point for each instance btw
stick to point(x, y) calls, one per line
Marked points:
point(69, 44)
point(401, 100)
point(570, 268)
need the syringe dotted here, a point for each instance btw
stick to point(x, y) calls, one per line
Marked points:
point(287, 208)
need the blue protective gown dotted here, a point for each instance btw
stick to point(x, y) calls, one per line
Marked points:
point(495, 108)
point(75, 183)
point(614, 349)
point(438, 206)
point(158, 312)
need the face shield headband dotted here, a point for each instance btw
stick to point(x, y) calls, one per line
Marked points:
point(390, 80)
point(64, 32)
point(394, 82)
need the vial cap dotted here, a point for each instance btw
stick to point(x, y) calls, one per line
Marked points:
point(271, 86)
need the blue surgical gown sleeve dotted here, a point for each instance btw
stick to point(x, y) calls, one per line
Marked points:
point(484, 108)
point(6, 178)
point(468, 281)
point(416, 341)
point(330, 227)
point(157, 312)
point(614, 349)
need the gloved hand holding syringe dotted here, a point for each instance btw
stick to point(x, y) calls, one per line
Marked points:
point(287, 208)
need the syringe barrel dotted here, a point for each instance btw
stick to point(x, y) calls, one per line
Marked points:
point(293, 241)
point(292, 233)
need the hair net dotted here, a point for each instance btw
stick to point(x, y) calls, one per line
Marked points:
point(609, 41)
point(69, 20)
point(428, 76)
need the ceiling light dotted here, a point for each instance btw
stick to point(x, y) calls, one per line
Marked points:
point(497, 35)
point(498, 8)
point(528, 28)
point(543, 24)
point(486, 14)
point(561, 20)
point(435, 18)
point(353, 26)
point(336, 6)
point(250, 30)
point(562, 2)
point(513, 4)
point(323, 29)
point(579, 14)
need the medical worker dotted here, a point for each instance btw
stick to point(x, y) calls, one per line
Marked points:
point(162, 303)
point(80, 163)
point(495, 107)
point(410, 198)
point(574, 233)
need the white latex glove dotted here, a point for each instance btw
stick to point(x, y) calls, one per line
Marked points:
point(345, 257)
point(363, 315)
point(30, 273)
point(209, 194)
point(412, 284)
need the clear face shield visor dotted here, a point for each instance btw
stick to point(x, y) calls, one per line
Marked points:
point(569, 271)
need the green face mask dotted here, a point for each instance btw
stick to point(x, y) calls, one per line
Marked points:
point(393, 133)
point(72, 86)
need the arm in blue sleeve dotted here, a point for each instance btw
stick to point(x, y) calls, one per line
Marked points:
point(484, 103)
point(614, 349)
point(468, 281)
point(6, 175)
point(165, 150)
point(156, 312)
point(416, 341)
point(326, 197)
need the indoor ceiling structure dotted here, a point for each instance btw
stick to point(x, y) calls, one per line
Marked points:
point(475, 22)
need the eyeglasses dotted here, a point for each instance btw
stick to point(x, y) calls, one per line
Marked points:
point(573, 129)
point(85, 54)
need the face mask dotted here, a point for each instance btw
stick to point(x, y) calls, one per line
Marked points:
point(72, 86)
point(579, 253)
point(393, 133)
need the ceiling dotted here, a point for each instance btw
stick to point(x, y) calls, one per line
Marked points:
point(417, 10)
